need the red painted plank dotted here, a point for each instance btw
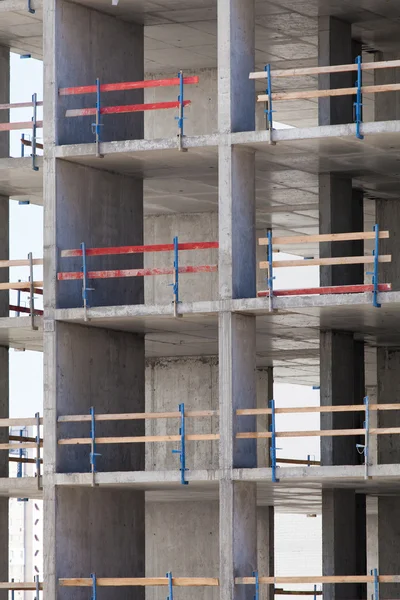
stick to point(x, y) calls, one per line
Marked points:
point(128, 108)
point(24, 309)
point(338, 289)
point(68, 276)
point(20, 125)
point(126, 85)
point(140, 249)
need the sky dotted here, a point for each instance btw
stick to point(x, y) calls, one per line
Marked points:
point(298, 538)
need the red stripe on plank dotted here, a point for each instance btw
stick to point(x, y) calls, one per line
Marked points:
point(128, 108)
point(68, 276)
point(339, 289)
point(126, 85)
point(139, 249)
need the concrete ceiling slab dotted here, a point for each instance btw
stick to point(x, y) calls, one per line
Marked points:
point(16, 332)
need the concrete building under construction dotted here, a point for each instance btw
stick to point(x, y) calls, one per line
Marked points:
point(169, 189)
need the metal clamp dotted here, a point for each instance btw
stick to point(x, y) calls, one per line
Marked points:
point(273, 448)
point(93, 453)
point(94, 586)
point(182, 450)
point(97, 125)
point(170, 586)
point(181, 116)
point(175, 284)
point(38, 473)
point(34, 128)
point(269, 111)
point(270, 279)
point(375, 272)
point(257, 585)
point(31, 293)
point(358, 103)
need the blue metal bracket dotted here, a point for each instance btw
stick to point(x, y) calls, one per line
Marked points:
point(93, 453)
point(30, 9)
point(175, 284)
point(270, 278)
point(375, 574)
point(269, 110)
point(38, 474)
point(257, 585)
point(22, 453)
point(181, 117)
point(97, 125)
point(94, 586)
point(26, 56)
point(358, 103)
point(22, 145)
point(85, 288)
point(375, 272)
point(34, 128)
point(170, 586)
point(182, 450)
point(273, 448)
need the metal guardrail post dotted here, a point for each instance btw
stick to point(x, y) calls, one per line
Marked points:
point(273, 448)
point(182, 450)
point(358, 103)
point(38, 471)
point(31, 292)
point(34, 128)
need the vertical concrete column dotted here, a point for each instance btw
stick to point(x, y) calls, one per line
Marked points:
point(266, 548)
point(4, 302)
point(341, 358)
point(387, 105)
point(237, 279)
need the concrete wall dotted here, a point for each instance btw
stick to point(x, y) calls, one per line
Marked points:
point(200, 227)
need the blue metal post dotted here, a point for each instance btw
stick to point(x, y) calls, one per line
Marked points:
point(38, 473)
point(269, 110)
point(315, 592)
point(366, 426)
point(93, 453)
point(96, 126)
point(375, 276)
point(270, 279)
point(182, 450)
point(18, 301)
point(30, 9)
point(273, 442)
point(34, 127)
point(358, 103)
point(175, 285)
point(181, 117)
point(85, 288)
point(257, 585)
point(94, 586)
point(374, 572)
point(36, 578)
point(20, 455)
point(12, 591)
point(22, 145)
point(170, 586)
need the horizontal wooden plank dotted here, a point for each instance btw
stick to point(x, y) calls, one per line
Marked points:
point(17, 422)
point(139, 581)
point(137, 416)
point(24, 309)
point(20, 263)
point(334, 289)
point(29, 143)
point(324, 237)
point(367, 66)
point(139, 249)
point(297, 461)
point(309, 94)
point(315, 409)
point(71, 275)
point(19, 285)
point(20, 585)
point(31, 461)
point(195, 437)
point(127, 85)
point(278, 592)
point(309, 579)
point(17, 438)
point(16, 446)
point(19, 105)
point(19, 125)
point(339, 260)
point(126, 108)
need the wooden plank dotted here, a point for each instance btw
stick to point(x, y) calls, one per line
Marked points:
point(278, 592)
point(315, 409)
point(29, 143)
point(309, 94)
point(370, 66)
point(17, 438)
point(324, 237)
point(139, 249)
point(19, 125)
point(127, 85)
point(16, 446)
point(20, 585)
point(140, 581)
point(307, 579)
point(126, 108)
point(19, 422)
point(19, 105)
point(333, 289)
point(339, 260)
point(195, 437)
point(137, 416)
point(23, 460)
point(295, 461)
point(70, 275)
point(19, 285)
point(20, 263)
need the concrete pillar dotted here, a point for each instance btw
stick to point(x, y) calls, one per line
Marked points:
point(341, 358)
point(266, 548)
point(372, 539)
point(388, 218)
point(387, 105)
point(237, 279)
point(93, 529)
point(4, 312)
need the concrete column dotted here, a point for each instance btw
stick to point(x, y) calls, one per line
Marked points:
point(388, 218)
point(387, 105)
point(266, 548)
point(372, 539)
point(4, 303)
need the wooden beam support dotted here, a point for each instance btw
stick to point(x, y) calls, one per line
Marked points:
point(19, 285)
point(366, 66)
point(140, 581)
point(137, 416)
point(325, 237)
point(195, 437)
point(310, 94)
point(340, 260)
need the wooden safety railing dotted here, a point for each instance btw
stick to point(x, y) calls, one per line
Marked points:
point(270, 96)
point(33, 124)
point(275, 244)
point(20, 443)
point(31, 287)
point(85, 275)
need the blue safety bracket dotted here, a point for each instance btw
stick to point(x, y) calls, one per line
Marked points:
point(22, 145)
point(257, 585)
point(375, 272)
point(30, 9)
point(269, 110)
point(182, 450)
point(358, 103)
point(93, 453)
point(273, 448)
point(170, 586)
point(34, 129)
point(175, 285)
point(94, 586)
point(97, 125)
point(375, 574)
point(270, 278)
point(181, 117)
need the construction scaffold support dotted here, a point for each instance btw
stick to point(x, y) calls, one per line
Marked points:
point(94, 586)
point(182, 450)
point(181, 116)
point(273, 448)
point(270, 279)
point(375, 574)
point(34, 131)
point(170, 586)
point(269, 111)
point(96, 126)
point(93, 453)
point(38, 460)
point(257, 586)
point(358, 103)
